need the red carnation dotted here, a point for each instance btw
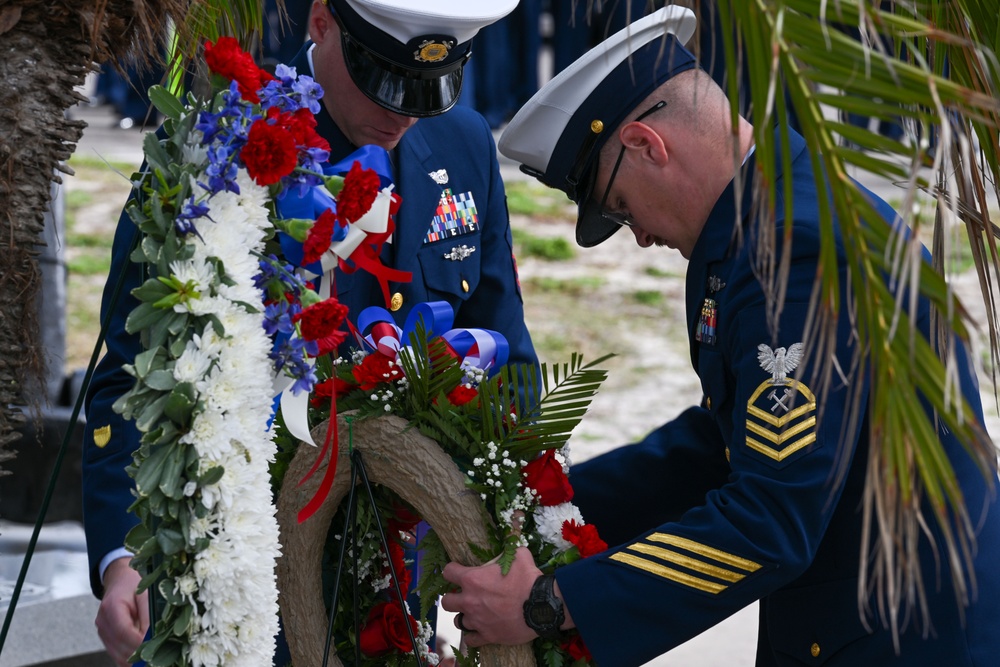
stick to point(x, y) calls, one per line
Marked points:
point(318, 240)
point(584, 537)
point(385, 630)
point(576, 649)
point(226, 58)
point(361, 186)
point(462, 394)
point(328, 389)
point(321, 322)
point(545, 475)
point(269, 153)
point(375, 370)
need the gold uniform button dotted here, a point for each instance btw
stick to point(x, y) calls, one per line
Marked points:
point(814, 650)
point(102, 436)
point(465, 285)
point(708, 402)
point(396, 302)
point(727, 453)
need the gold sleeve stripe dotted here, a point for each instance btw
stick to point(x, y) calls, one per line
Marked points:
point(777, 422)
point(784, 453)
point(787, 434)
point(705, 551)
point(686, 561)
point(668, 573)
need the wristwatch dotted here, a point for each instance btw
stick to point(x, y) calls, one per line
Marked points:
point(543, 611)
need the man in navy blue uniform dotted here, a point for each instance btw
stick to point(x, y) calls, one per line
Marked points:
point(738, 499)
point(390, 71)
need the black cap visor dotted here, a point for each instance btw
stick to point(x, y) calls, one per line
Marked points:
point(592, 228)
point(417, 93)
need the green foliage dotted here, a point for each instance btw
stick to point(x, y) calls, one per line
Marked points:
point(554, 248)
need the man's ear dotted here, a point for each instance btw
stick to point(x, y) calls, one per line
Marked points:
point(646, 140)
point(321, 22)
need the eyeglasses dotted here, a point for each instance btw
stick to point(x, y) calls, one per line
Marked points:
point(611, 216)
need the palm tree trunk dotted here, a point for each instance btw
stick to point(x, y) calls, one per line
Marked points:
point(44, 55)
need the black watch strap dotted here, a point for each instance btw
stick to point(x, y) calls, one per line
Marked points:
point(543, 611)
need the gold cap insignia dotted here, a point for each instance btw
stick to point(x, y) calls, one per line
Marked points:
point(102, 436)
point(432, 52)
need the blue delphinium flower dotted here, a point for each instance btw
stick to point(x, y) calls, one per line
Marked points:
point(190, 211)
point(310, 92)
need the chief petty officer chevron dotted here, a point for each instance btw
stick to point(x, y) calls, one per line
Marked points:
point(391, 69)
point(735, 501)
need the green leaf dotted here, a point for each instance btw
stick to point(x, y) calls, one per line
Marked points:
point(171, 541)
point(181, 403)
point(150, 414)
point(166, 102)
point(143, 317)
point(151, 469)
point(161, 380)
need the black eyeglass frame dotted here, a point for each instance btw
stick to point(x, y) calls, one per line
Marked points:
point(611, 216)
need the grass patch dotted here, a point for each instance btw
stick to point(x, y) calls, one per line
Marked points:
point(568, 286)
point(648, 297)
point(90, 163)
point(90, 264)
point(553, 248)
point(537, 201)
point(656, 272)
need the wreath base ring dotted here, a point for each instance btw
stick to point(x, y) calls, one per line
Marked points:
point(421, 473)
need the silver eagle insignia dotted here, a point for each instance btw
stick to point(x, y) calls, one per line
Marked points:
point(779, 363)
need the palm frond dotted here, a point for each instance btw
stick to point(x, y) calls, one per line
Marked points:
point(932, 67)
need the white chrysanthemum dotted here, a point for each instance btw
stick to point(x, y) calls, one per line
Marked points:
point(196, 272)
point(549, 522)
point(192, 365)
point(202, 651)
point(195, 151)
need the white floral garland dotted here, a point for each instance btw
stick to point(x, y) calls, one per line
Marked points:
point(233, 579)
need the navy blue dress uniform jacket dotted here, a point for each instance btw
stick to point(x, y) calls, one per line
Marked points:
point(482, 288)
point(738, 500)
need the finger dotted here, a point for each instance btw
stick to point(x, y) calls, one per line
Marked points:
point(474, 639)
point(453, 572)
point(451, 602)
point(143, 601)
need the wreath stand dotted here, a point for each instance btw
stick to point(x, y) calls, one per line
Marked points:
point(421, 473)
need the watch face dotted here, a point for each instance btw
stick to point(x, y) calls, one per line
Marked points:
point(542, 614)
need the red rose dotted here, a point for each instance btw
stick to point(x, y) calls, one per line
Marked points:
point(361, 186)
point(403, 519)
point(375, 370)
point(576, 648)
point(318, 240)
point(584, 537)
point(269, 153)
point(462, 394)
point(327, 389)
point(226, 58)
point(399, 565)
point(545, 475)
point(385, 631)
point(321, 322)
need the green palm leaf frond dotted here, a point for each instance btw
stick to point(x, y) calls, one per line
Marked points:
point(931, 66)
point(567, 391)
